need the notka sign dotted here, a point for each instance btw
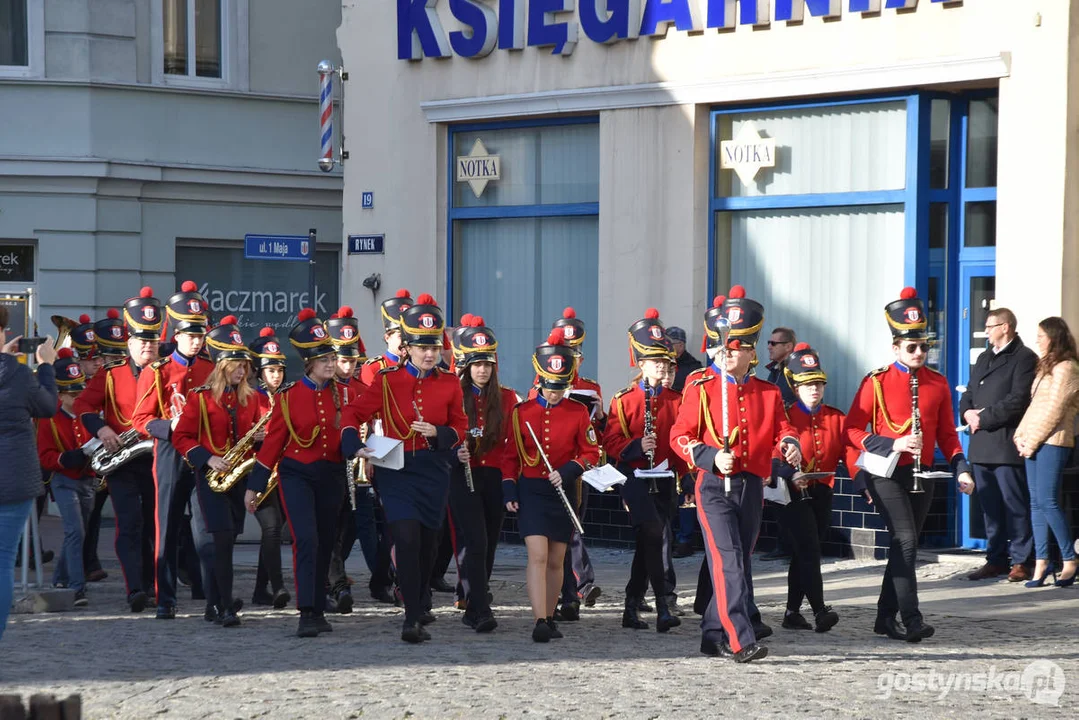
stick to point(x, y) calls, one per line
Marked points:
point(484, 25)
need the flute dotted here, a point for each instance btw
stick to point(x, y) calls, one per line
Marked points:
point(561, 493)
point(419, 417)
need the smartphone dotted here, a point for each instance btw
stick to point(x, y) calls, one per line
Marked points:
point(29, 345)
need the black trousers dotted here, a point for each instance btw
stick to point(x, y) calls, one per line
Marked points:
point(578, 575)
point(343, 540)
point(131, 487)
point(174, 483)
point(383, 575)
point(271, 520)
point(488, 483)
point(468, 532)
point(650, 515)
point(415, 546)
point(904, 515)
point(311, 494)
point(805, 525)
point(443, 554)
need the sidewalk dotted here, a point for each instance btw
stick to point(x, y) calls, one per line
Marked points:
point(132, 665)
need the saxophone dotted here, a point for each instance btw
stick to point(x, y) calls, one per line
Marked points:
point(236, 459)
point(104, 463)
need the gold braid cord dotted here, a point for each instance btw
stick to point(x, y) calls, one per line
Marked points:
point(622, 417)
point(878, 401)
point(292, 431)
point(110, 397)
point(205, 425)
point(710, 425)
point(533, 461)
point(56, 436)
point(387, 398)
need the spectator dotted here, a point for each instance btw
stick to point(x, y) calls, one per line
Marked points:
point(1045, 438)
point(22, 398)
point(780, 346)
point(684, 362)
point(992, 406)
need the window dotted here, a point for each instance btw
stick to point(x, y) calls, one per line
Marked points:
point(14, 33)
point(527, 245)
point(193, 38)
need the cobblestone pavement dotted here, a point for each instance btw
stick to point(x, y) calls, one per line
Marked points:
point(128, 665)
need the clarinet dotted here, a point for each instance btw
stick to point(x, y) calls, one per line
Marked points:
point(916, 428)
point(649, 429)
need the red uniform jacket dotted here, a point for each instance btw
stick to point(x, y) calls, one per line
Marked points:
point(390, 398)
point(59, 440)
point(755, 416)
point(883, 404)
point(175, 375)
point(370, 369)
point(304, 426)
point(821, 436)
point(113, 392)
point(206, 426)
point(625, 427)
point(567, 436)
point(503, 455)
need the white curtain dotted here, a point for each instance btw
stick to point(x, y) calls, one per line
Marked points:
point(843, 148)
point(519, 274)
point(827, 273)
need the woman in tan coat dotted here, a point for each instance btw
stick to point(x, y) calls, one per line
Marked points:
point(1045, 438)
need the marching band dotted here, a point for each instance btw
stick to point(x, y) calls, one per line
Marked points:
point(208, 421)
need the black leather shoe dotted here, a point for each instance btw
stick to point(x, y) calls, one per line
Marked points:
point(918, 630)
point(281, 598)
point(137, 601)
point(591, 595)
point(486, 623)
point(308, 627)
point(542, 632)
point(664, 620)
point(427, 618)
point(230, 619)
point(166, 612)
point(321, 623)
point(761, 630)
point(672, 605)
point(383, 595)
point(714, 649)
point(556, 634)
point(826, 619)
point(410, 632)
point(262, 597)
point(796, 621)
point(331, 604)
point(570, 612)
point(751, 652)
point(682, 550)
point(890, 626)
point(440, 585)
point(211, 615)
point(630, 618)
point(344, 602)
point(643, 606)
point(424, 635)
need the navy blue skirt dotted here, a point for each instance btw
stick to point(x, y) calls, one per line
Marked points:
point(419, 490)
point(221, 511)
point(541, 512)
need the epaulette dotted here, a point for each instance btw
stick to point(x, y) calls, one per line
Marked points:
point(114, 364)
point(582, 378)
point(285, 387)
point(577, 402)
point(370, 361)
point(878, 371)
point(389, 369)
point(702, 380)
point(201, 388)
point(161, 362)
point(445, 371)
point(694, 373)
point(624, 390)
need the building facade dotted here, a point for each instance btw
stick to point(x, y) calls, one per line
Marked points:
point(141, 140)
point(519, 156)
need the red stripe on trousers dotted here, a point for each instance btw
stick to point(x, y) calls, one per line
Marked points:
point(292, 534)
point(719, 588)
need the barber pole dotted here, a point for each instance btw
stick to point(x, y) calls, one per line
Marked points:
point(326, 72)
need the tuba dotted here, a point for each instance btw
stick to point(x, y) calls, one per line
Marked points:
point(64, 327)
point(236, 458)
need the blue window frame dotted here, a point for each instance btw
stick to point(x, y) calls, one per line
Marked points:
point(938, 218)
point(557, 226)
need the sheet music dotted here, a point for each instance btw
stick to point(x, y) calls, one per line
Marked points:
point(603, 477)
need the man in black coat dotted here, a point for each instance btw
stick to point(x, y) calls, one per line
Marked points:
point(684, 362)
point(996, 397)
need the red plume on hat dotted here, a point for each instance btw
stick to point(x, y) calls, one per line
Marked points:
point(305, 314)
point(189, 286)
point(557, 336)
point(801, 346)
point(64, 353)
point(402, 293)
point(228, 320)
point(84, 318)
point(113, 314)
point(266, 332)
point(737, 292)
point(651, 314)
point(476, 321)
point(466, 320)
point(345, 312)
point(426, 299)
point(569, 313)
point(146, 292)
point(907, 293)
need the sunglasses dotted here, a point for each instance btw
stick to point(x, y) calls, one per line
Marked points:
point(773, 343)
point(912, 347)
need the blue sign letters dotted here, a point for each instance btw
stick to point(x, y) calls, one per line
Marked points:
point(557, 23)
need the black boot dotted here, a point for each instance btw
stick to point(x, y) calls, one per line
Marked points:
point(665, 620)
point(321, 623)
point(825, 619)
point(889, 626)
point(630, 617)
point(308, 627)
point(541, 633)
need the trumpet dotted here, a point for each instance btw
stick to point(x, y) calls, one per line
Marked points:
point(239, 467)
point(356, 472)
